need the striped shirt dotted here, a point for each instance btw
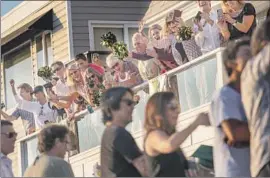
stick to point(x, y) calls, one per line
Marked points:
point(5, 166)
point(27, 118)
point(255, 89)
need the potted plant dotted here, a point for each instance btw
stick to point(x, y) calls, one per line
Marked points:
point(186, 37)
point(119, 49)
point(108, 40)
point(45, 73)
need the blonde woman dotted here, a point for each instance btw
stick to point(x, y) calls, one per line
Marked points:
point(238, 20)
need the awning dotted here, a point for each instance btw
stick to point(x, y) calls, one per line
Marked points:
point(42, 22)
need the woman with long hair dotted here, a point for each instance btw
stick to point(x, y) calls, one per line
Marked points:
point(238, 20)
point(162, 141)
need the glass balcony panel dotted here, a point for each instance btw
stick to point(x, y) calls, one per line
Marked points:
point(30, 152)
point(196, 85)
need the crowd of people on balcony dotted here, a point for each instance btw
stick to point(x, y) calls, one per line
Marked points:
point(81, 86)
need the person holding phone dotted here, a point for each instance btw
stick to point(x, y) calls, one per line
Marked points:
point(207, 37)
point(238, 20)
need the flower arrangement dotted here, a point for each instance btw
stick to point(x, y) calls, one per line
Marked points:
point(45, 73)
point(97, 94)
point(108, 40)
point(185, 33)
point(119, 49)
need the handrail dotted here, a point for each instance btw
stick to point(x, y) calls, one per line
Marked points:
point(172, 72)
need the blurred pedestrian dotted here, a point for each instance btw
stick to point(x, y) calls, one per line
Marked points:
point(8, 138)
point(162, 141)
point(120, 155)
point(255, 83)
point(231, 142)
point(53, 143)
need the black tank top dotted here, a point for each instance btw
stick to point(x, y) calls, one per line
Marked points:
point(166, 165)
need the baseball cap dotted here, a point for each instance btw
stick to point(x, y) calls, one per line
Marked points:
point(37, 89)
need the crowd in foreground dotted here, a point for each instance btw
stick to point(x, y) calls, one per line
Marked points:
point(239, 113)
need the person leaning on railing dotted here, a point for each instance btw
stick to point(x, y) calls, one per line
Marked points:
point(25, 91)
point(125, 72)
point(238, 20)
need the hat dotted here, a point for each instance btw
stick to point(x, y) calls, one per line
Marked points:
point(174, 16)
point(37, 89)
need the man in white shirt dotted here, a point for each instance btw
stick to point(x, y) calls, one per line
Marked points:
point(8, 138)
point(207, 37)
point(61, 87)
point(44, 112)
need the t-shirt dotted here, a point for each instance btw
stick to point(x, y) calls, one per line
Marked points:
point(248, 10)
point(42, 113)
point(255, 82)
point(118, 150)
point(228, 161)
point(49, 166)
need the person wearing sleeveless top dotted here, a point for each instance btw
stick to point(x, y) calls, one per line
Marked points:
point(164, 158)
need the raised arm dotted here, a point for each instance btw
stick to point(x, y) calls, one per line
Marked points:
point(160, 142)
point(16, 97)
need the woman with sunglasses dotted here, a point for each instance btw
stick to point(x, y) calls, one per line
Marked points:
point(162, 141)
point(120, 156)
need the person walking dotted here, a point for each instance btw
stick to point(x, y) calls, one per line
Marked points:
point(120, 155)
point(231, 142)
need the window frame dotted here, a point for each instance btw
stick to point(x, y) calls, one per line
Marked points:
point(28, 42)
point(125, 25)
point(45, 58)
point(45, 52)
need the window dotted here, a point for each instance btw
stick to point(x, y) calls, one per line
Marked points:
point(43, 52)
point(17, 66)
point(123, 31)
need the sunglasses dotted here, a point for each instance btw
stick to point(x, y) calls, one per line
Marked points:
point(173, 107)
point(129, 102)
point(57, 69)
point(10, 134)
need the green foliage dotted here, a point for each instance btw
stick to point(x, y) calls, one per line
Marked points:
point(120, 50)
point(185, 33)
point(108, 40)
point(45, 73)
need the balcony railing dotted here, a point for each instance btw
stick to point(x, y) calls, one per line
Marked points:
point(196, 83)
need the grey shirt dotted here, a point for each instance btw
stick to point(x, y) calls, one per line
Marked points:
point(49, 166)
point(256, 99)
point(228, 161)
